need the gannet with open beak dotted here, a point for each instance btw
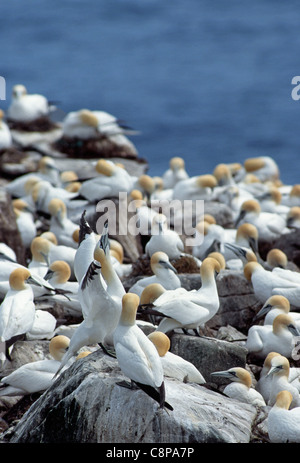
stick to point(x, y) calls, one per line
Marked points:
point(241, 386)
point(174, 366)
point(35, 376)
point(279, 337)
point(283, 423)
point(136, 354)
point(164, 274)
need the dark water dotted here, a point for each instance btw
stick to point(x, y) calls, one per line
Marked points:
point(208, 80)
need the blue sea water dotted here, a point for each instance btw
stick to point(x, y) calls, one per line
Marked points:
point(208, 80)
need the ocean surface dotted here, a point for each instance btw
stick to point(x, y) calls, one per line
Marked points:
point(207, 80)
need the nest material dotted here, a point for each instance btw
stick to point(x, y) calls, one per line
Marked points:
point(94, 148)
point(42, 124)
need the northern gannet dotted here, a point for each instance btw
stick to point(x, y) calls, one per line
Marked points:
point(35, 376)
point(274, 306)
point(25, 221)
point(188, 309)
point(43, 327)
point(5, 134)
point(46, 170)
point(164, 273)
point(264, 168)
point(136, 354)
point(175, 173)
point(270, 225)
point(60, 224)
point(279, 370)
point(267, 283)
point(174, 366)
point(283, 423)
point(197, 187)
point(110, 181)
point(292, 199)
point(27, 107)
point(87, 240)
point(54, 251)
point(279, 337)
point(43, 192)
point(276, 258)
point(293, 217)
point(241, 386)
point(17, 310)
point(164, 239)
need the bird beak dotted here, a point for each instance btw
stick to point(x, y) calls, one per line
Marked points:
point(262, 312)
point(239, 218)
point(294, 330)
point(33, 281)
point(239, 252)
point(168, 265)
point(274, 369)
point(223, 374)
point(48, 274)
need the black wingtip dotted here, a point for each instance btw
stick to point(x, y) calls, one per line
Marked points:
point(84, 228)
point(154, 394)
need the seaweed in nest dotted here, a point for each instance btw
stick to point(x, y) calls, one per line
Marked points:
point(186, 264)
point(94, 148)
point(42, 124)
point(141, 266)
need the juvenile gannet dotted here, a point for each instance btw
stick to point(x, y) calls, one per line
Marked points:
point(197, 187)
point(136, 354)
point(175, 173)
point(25, 221)
point(279, 372)
point(164, 273)
point(174, 366)
point(60, 224)
point(283, 423)
point(270, 225)
point(27, 107)
point(189, 309)
point(163, 239)
point(264, 168)
point(110, 181)
point(279, 337)
point(5, 134)
point(241, 387)
point(35, 376)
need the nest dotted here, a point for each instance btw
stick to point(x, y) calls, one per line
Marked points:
point(42, 124)
point(100, 147)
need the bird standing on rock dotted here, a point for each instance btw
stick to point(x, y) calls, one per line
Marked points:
point(136, 354)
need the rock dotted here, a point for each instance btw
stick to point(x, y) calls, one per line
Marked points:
point(290, 244)
point(85, 405)
point(208, 354)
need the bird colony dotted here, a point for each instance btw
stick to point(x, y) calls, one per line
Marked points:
point(71, 264)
